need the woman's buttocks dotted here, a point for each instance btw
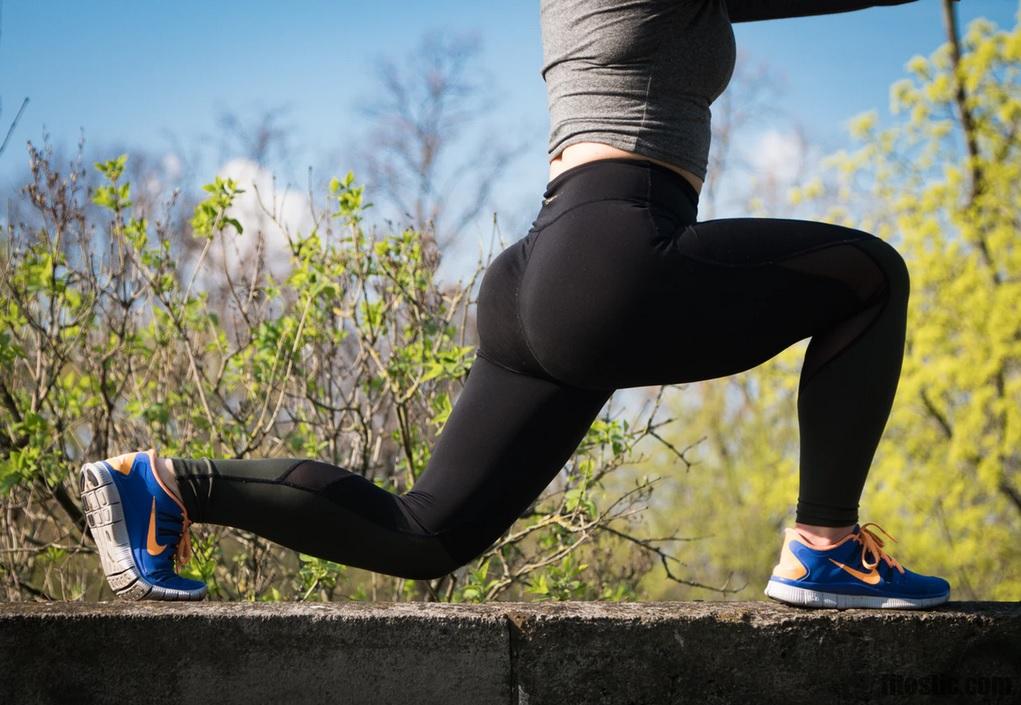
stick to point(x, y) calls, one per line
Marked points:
point(600, 253)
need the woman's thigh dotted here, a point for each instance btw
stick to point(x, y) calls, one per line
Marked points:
point(621, 294)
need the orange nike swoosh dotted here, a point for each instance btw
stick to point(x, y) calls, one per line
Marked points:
point(872, 577)
point(151, 545)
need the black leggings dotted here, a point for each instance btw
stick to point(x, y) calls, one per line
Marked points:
point(616, 285)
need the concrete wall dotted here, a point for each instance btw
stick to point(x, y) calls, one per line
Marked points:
point(508, 653)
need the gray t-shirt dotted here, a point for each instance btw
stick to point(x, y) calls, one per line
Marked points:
point(640, 75)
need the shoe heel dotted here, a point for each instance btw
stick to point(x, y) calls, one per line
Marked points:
point(105, 517)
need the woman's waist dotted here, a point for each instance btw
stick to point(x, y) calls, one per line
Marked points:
point(639, 181)
point(582, 152)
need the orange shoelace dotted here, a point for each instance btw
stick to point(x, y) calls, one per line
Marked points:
point(871, 543)
point(183, 553)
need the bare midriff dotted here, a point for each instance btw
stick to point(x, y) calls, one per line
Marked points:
point(581, 152)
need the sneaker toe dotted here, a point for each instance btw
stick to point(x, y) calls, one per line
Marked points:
point(925, 585)
point(941, 586)
point(171, 581)
point(178, 583)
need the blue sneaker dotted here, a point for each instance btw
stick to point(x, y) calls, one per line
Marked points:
point(140, 528)
point(853, 572)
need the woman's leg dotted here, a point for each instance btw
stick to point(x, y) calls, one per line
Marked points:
point(508, 435)
point(624, 292)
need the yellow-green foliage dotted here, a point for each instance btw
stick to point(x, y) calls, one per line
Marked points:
point(946, 478)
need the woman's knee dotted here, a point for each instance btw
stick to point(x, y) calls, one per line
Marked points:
point(438, 558)
point(431, 568)
point(892, 263)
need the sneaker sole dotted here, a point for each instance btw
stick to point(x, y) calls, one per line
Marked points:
point(803, 597)
point(103, 511)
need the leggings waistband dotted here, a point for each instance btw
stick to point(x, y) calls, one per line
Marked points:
point(619, 178)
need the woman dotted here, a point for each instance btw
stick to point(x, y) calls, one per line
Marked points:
point(615, 285)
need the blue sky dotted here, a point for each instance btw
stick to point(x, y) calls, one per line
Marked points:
point(130, 72)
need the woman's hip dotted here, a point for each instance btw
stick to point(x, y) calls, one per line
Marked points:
point(627, 291)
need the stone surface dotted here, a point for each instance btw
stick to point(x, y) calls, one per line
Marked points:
point(177, 653)
point(764, 652)
point(508, 653)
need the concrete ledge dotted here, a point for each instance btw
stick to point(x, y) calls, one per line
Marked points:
point(507, 653)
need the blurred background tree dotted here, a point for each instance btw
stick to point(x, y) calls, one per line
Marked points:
point(424, 110)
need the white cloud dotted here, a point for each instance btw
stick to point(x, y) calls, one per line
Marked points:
point(289, 207)
point(777, 153)
point(171, 165)
point(153, 185)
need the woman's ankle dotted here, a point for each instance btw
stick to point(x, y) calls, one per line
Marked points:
point(165, 470)
point(823, 535)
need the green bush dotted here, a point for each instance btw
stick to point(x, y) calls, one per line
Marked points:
point(119, 333)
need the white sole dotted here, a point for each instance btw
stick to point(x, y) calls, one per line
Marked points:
point(804, 597)
point(102, 504)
